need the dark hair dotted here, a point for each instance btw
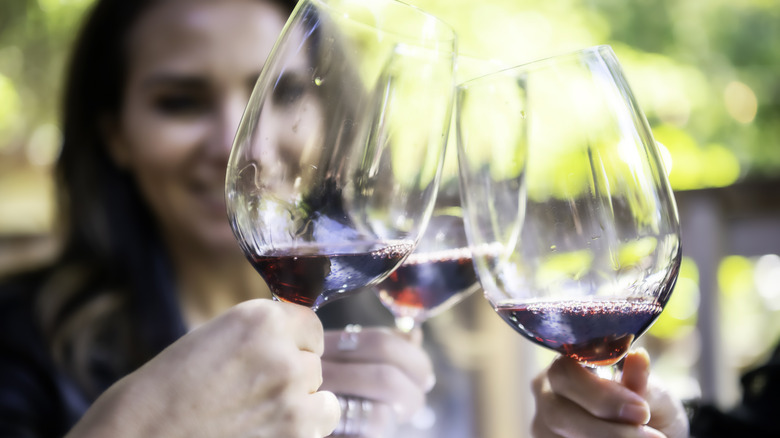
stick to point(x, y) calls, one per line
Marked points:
point(86, 176)
point(112, 256)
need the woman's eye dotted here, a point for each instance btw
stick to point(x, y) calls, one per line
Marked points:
point(181, 104)
point(288, 91)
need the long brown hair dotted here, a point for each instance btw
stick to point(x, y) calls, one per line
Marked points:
point(105, 307)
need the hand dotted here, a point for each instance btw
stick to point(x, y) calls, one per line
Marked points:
point(382, 365)
point(573, 402)
point(253, 371)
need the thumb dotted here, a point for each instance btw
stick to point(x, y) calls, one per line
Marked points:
point(667, 413)
point(636, 371)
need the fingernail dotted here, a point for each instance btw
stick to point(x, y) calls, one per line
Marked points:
point(642, 351)
point(649, 432)
point(636, 413)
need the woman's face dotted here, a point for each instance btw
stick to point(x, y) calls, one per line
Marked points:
point(192, 66)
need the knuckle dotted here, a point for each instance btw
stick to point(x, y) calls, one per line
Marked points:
point(279, 373)
point(306, 368)
point(561, 427)
point(603, 406)
point(272, 385)
point(538, 384)
point(554, 423)
point(557, 376)
point(285, 371)
point(313, 324)
point(253, 314)
point(602, 412)
point(292, 418)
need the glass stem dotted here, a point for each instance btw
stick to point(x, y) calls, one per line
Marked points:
point(405, 323)
point(425, 418)
point(609, 372)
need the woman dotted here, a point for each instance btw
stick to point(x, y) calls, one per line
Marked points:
point(151, 322)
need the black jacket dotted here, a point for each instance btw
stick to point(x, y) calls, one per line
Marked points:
point(756, 416)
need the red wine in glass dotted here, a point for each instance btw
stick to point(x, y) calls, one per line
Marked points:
point(428, 283)
point(595, 333)
point(312, 277)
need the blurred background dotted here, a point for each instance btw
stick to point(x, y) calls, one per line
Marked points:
point(706, 73)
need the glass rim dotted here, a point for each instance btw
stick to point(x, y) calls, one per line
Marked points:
point(601, 50)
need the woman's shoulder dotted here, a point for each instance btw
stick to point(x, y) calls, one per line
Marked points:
point(36, 399)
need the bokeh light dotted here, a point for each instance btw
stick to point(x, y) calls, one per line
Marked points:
point(741, 102)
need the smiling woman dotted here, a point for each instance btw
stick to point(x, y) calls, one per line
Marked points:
point(706, 72)
point(150, 279)
point(189, 80)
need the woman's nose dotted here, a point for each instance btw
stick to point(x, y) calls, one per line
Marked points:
point(229, 117)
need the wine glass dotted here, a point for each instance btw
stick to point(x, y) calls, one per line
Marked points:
point(336, 161)
point(439, 273)
point(573, 224)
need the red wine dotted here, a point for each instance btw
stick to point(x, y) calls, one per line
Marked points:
point(311, 276)
point(426, 282)
point(593, 332)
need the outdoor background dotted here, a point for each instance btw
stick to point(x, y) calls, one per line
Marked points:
point(706, 73)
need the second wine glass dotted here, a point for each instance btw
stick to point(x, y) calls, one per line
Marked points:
point(439, 273)
point(335, 165)
point(582, 253)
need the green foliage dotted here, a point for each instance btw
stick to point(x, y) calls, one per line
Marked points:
point(680, 314)
point(706, 73)
point(35, 37)
point(707, 70)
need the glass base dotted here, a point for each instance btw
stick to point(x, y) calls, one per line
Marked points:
point(609, 372)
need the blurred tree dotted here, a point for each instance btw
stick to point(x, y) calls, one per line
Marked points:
point(34, 41)
point(706, 73)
